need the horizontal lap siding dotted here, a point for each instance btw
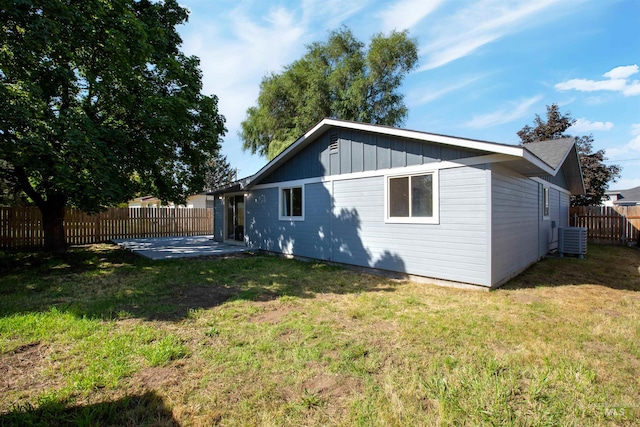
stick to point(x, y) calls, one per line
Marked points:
point(558, 212)
point(261, 220)
point(455, 249)
point(515, 218)
point(312, 237)
point(308, 238)
point(218, 220)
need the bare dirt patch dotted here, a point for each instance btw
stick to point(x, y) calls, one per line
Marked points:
point(193, 297)
point(23, 370)
point(158, 378)
point(525, 298)
point(273, 315)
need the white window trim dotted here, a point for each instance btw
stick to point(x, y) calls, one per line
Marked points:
point(282, 217)
point(435, 219)
point(546, 200)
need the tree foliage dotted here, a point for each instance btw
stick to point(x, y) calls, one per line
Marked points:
point(338, 78)
point(99, 104)
point(597, 175)
point(219, 173)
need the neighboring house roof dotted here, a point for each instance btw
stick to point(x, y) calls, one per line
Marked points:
point(625, 197)
point(530, 161)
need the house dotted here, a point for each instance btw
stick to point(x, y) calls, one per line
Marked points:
point(416, 204)
point(194, 201)
point(629, 197)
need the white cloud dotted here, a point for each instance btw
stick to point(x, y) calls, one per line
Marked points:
point(480, 23)
point(632, 88)
point(630, 149)
point(584, 125)
point(622, 72)
point(404, 14)
point(617, 80)
point(331, 13)
point(512, 111)
point(585, 85)
point(431, 94)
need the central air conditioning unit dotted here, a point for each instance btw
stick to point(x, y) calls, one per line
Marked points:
point(572, 241)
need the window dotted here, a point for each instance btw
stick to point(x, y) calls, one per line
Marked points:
point(291, 203)
point(545, 201)
point(412, 198)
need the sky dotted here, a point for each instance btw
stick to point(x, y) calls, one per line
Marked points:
point(486, 67)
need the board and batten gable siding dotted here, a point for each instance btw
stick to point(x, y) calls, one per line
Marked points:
point(345, 222)
point(360, 151)
point(560, 179)
point(515, 207)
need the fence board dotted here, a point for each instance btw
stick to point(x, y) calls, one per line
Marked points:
point(22, 227)
point(606, 224)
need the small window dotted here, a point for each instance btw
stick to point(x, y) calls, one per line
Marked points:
point(545, 201)
point(291, 203)
point(412, 198)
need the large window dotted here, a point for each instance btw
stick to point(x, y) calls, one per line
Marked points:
point(291, 203)
point(412, 198)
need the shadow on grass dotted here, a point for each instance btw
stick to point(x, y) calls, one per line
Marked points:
point(106, 282)
point(615, 267)
point(139, 410)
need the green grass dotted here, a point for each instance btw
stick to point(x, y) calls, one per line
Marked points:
point(102, 337)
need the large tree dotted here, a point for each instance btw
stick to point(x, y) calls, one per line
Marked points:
point(338, 78)
point(597, 175)
point(99, 104)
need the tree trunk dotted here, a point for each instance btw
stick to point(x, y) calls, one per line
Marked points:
point(53, 226)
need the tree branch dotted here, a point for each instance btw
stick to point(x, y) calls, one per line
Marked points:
point(23, 181)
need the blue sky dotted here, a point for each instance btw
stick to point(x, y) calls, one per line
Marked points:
point(486, 67)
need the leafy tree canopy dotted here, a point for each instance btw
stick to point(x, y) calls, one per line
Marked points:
point(99, 104)
point(597, 175)
point(338, 78)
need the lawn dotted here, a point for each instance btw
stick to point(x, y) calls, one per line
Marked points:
point(102, 337)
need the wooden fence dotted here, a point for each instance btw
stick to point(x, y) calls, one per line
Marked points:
point(619, 224)
point(22, 227)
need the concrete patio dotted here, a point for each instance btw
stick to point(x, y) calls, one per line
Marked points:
point(179, 247)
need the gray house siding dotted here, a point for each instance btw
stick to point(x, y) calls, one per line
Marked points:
point(455, 249)
point(263, 230)
point(360, 152)
point(218, 220)
point(521, 234)
point(516, 214)
point(559, 203)
point(345, 222)
point(309, 238)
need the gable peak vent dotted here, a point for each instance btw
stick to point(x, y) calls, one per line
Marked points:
point(333, 143)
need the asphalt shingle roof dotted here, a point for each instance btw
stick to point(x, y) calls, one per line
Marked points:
point(552, 152)
point(631, 195)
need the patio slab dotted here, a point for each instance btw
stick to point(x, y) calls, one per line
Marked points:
point(179, 247)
